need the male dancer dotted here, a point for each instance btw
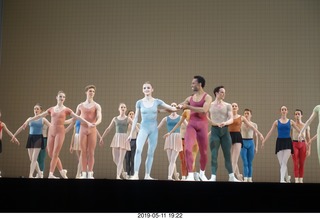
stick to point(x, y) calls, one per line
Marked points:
point(220, 117)
point(91, 111)
point(197, 129)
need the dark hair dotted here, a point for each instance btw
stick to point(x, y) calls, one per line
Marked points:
point(299, 110)
point(200, 80)
point(217, 89)
point(39, 105)
point(248, 110)
point(129, 111)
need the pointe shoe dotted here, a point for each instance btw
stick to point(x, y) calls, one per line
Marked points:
point(63, 173)
point(134, 177)
point(51, 176)
point(39, 175)
point(183, 178)
point(176, 176)
point(288, 179)
point(148, 177)
point(240, 177)
point(301, 180)
point(124, 175)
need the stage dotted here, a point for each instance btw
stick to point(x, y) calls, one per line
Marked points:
point(130, 196)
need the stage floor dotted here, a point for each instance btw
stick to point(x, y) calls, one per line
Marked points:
point(131, 196)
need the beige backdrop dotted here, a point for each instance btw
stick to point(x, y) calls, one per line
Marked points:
point(266, 54)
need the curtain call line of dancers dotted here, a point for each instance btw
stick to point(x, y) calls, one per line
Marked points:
point(187, 135)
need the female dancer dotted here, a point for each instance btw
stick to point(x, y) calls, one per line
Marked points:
point(235, 133)
point(119, 143)
point(284, 145)
point(173, 142)
point(75, 146)
point(35, 139)
point(148, 107)
point(56, 133)
point(184, 119)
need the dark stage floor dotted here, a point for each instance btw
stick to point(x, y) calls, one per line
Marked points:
point(107, 196)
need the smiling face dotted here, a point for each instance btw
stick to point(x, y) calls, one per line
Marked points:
point(147, 89)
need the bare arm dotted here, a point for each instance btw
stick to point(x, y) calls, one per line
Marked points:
point(99, 114)
point(252, 127)
point(134, 123)
point(164, 120)
point(274, 125)
point(308, 122)
point(182, 119)
point(203, 109)
point(107, 130)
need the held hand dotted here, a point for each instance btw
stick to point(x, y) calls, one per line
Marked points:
point(101, 142)
point(91, 125)
point(166, 135)
point(16, 141)
point(261, 138)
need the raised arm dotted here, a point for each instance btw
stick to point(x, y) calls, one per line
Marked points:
point(308, 122)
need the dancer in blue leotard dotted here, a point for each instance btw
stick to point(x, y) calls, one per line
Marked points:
point(148, 107)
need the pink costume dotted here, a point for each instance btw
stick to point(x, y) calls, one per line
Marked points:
point(197, 131)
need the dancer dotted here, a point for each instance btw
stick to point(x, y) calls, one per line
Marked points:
point(183, 122)
point(4, 127)
point(315, 112)
point(173, 143)
point(250, 140)
point(220, 116)
point(90, 111)
point(119, 143)
point(148, 108)
point(300, 148)
point(35, 140)
point(57, 132)
point(284, 145)
point(197, 129)
point(43, 151)
point(129, 158)
point(75, 146)
point(236, 137)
